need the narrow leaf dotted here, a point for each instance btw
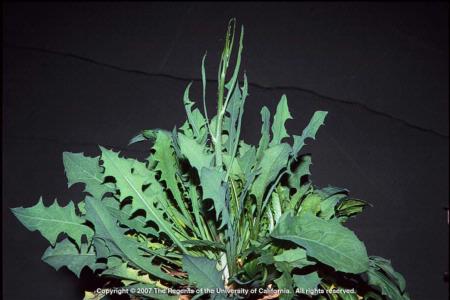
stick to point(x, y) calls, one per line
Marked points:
point(309, 132)
point(281, 116)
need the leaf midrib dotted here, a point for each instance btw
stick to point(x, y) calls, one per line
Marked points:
point(292, 238)
point(50, 220)
point(91, 175)
point(160, 221)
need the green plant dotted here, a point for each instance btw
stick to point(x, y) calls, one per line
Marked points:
point(207, 210)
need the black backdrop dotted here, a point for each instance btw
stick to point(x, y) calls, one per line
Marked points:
point(82, 74)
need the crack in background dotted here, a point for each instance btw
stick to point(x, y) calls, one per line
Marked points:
point(359, 105)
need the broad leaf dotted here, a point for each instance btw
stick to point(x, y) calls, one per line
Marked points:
point(325, 240)
point(295, 257)
point(311, 204)
point(202, 272)
point(307, 282)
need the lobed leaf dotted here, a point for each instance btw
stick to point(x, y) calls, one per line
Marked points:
point(309, 132)
point(53, 220)
point(87, 170)
point(281, 116)
point(66, 254)
point(109, 240)
point(273, 160)
point(194, 152)
point(130, 183)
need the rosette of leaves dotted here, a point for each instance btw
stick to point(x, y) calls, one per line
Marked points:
point(208, 211)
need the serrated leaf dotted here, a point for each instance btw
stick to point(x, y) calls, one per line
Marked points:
point(84, 169)
point(202, 272)
point(235, 169)
point(131, 185)
point(247, 160)
point(167, 165)
point(66, 254)
point(273, 160)
point(109, 240)
point(214, 188)
point(195, 118)
point(324, 240)
point(194, 152)
point(125, 216)
point(308, 281)
point(265, 134)
point(229, 124)
point(53, 220)
point(309, 132)
point(119, 269)
point(301, 170)
point(281, 116)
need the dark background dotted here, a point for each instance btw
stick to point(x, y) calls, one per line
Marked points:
point(77, 75)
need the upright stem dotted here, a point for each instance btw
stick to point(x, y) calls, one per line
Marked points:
point(220, 116)
point(225, 59)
